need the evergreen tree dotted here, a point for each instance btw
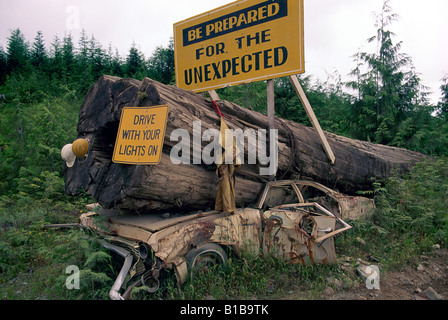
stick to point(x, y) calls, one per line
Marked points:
point(161, 64)
point(17, 52)
point(135, 63)
point(387, 90)
point(83, 49)
point(287, 103)
point(3, 65)
point(96, 58)
point(56, 56)
point(68, 58)
point(250, 95)
point(113, 63)
point(38, 52)
point(330, 103)
point(443, 105)
point(83, 75)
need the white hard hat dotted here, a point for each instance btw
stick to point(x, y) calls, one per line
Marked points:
point(68, 155)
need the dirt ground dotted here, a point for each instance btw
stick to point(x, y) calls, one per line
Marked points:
point(427, 280)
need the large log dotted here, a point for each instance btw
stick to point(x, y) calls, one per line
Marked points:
point(187, 187)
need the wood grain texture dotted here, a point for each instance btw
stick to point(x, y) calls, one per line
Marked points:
point(189, 187)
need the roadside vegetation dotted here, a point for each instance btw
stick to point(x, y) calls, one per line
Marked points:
point(410, 219)
point(42, 88)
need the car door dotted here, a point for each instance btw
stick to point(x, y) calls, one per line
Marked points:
point(298, 232)
point(291, 235)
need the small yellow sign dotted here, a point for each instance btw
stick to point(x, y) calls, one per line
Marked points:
point(140, 135)
point(244, 41)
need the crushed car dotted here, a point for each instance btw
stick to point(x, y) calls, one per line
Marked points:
point(292, 220)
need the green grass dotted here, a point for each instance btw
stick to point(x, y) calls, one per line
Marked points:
point(34, 259)
point(252, 277)
point(410, 218)
point(34, 264)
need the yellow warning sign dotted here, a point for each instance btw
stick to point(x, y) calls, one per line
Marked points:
point(245, 41)
point(140, 135)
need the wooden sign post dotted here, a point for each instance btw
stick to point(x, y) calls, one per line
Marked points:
point(309, 111)
point(271, 109)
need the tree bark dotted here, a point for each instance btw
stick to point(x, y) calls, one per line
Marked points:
point(188, 187)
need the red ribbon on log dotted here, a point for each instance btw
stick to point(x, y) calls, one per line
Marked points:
point(218, 111)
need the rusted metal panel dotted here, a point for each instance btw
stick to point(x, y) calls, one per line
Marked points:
point(181, 270)
point(93, 221)
point(153, 223)
point(240, 230)
point(342, 206)
point(292, 236)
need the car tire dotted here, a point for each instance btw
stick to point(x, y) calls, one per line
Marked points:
point(203, 258)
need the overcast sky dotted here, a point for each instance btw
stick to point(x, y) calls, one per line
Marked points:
point(334, 29)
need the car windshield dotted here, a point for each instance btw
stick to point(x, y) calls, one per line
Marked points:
point(279, 195)
point(312, 194)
